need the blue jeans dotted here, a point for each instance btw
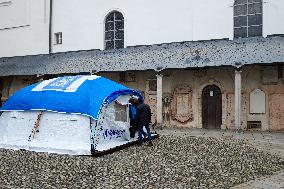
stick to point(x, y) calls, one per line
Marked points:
point(140, 132)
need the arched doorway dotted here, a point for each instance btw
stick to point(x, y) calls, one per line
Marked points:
point(211, 107)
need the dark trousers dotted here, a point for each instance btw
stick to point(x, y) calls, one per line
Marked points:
point(140, 132)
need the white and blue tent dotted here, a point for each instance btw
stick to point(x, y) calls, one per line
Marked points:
point(78, 115)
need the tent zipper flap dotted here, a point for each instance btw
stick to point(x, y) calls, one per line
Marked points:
point(36, 126)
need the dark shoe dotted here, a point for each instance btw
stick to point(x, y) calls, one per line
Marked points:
point(139, 143)
point(150, 143)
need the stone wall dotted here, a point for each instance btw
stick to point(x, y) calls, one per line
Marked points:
point(262, 101)
point(268, 98)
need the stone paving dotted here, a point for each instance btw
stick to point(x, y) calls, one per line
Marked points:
point(275, 181)
point(272, 142)
point(178, 159)
point(265, 141)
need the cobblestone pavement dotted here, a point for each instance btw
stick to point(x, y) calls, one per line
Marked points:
point(275, 181)
point(177, 160)
point(265, 141)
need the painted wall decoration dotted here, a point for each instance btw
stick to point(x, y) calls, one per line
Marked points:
point(167, 100)
point(182, 104)
point(276, 111)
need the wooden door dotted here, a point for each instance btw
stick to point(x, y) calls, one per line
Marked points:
point(211, 107)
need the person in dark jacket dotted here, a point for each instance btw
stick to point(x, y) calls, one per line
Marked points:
point(144, 120)
point(133, 117)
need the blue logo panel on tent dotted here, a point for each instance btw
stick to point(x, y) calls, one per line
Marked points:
point(61, 83)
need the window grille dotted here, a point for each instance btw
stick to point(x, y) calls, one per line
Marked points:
point(114, 31)
point(120, 112)
point(248, 18)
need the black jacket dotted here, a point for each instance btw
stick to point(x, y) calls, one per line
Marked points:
point(143, 114)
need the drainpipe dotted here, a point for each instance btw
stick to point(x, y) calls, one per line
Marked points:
point(159, 101)
point(50, 26)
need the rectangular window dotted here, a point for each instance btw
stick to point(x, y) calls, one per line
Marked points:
point(58, 38)
point(269, 75)
point(152, 85)
point(120, 112)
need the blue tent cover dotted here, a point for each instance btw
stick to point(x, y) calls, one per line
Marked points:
point(81, 94)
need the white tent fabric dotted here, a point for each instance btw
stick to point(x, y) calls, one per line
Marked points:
point(65, 133)
point(58, 133)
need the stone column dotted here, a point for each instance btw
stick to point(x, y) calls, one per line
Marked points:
point(238, 90)
point(159, 100)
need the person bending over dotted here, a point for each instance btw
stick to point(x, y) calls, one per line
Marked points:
point(144, 120)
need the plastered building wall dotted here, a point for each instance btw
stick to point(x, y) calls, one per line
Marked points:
point(24, 27)
point(153, 22)
point(146, 22)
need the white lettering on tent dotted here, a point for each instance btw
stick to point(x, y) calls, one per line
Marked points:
point(61, 83)
point(64, 84)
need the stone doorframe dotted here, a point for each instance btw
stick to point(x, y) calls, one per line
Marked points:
point(224, 102)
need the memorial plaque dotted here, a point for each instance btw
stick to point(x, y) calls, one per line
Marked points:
point(257, 102)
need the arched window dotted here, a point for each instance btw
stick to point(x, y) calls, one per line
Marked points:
point(114, 30)
point(247, 18)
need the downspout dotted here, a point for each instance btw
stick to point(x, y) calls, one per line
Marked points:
point(50, 27)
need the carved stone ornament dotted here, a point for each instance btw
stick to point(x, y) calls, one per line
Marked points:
point(182, 104)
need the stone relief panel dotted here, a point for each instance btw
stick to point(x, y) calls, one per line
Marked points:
point(257, 102)
point(276, 111)
point(182, 104)
point(167, 100)
point(230, 114)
